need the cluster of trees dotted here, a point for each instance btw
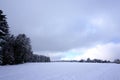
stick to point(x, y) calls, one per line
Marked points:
point(94, 61)
point(88, 60)
point(40, 58)
point(100, 61)
point(16, 49)
point(117, 61)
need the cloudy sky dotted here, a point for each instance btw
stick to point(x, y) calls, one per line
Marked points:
point(67, 29)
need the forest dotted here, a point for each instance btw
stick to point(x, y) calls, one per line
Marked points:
point(16, 49)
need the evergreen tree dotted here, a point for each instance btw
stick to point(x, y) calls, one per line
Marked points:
point(4, 31)
point(28, 50)
point(22, 50)
point(8, 50)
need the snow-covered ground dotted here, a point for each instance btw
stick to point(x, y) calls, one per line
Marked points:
point(60, 71)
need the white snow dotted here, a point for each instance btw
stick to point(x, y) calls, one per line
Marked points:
point(61, 71)
point(2, 32)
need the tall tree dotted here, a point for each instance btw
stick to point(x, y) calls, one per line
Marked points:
point(8, 50)
point(4, 31)
point(22, 50)
point(28, 50)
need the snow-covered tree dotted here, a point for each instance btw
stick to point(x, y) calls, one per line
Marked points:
point(22, 49)
point(4, 31)
point(4, 28)
point(8, 50)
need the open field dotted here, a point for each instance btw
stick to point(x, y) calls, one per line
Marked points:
point(60, 71)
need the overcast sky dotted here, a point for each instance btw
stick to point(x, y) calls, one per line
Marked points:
point(67, 29)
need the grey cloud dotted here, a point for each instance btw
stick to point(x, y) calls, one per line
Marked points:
point(62, 25)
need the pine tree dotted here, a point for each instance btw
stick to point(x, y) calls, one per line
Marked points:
point(8, 50)
point(22, 50)
point(28, 50)
point(4, 31)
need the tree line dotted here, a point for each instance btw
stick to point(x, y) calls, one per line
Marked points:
point(100, 61)
point(95, 61)
point(16, 49)
point(88, 60)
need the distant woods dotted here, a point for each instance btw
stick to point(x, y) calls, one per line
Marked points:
point(88, 60)
point(16, 49)
point(100, 61)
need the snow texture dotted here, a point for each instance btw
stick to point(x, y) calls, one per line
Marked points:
point(60, 71)
point(2, 32)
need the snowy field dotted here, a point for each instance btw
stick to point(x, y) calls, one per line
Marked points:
point(60, 71)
